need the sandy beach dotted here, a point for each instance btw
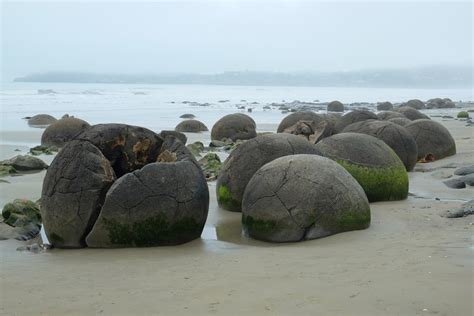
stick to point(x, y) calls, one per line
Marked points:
point(411, 261)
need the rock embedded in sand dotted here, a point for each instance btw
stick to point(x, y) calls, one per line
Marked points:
point(335, 106)
point(432, 139)
point(455, 183)
point(384, 106)
point(25, 163)
point(234, 126)
point(74, 190)
point(411, 113)
point(438, 103)
point(163, 203)
point(468, 179)
point(160, 196)
point(464, 210)
point(463, 114)
point(353, 117)
point(395, 136)
point(302, 197)
point(371, 162)
point(63, 131)
point(41, 120)
point(187, 116)
point(191, 126)
point(465, 170)
point(415, 104)
point(247, 158)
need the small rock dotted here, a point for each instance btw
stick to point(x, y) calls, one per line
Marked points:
point(46, 150)
point(196, 148)
point(25, 163)
point(217, 143)
point(464, 210)
point(464, 170)
point(21, 212)
point(468, 179)
point(6, 170)
point(455, 184)
point(188, 116)
point(211, 165)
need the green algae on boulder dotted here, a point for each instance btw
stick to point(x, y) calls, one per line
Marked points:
point(211, 166)
point(21, 212)
point(463, 114)
point(371, 162)
point(247, 158)
point(303, 197)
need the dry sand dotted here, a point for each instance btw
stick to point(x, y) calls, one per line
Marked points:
point(411, 261)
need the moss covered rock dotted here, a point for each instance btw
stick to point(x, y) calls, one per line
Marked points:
point(301, 197)
point(434, 141)
point(247, 158)
point(463, 114)
point(21, 213)
point(395, 136)
point(371, 162)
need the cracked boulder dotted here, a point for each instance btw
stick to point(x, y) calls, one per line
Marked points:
point(247, 158)
point(63, 131)
point(353, 117)
point(119, 185)
point(432, 138)
point(163, 203)
point(74, 190)
point(411, 113)
point(234, 126)
point(303, 197)
point(395, 136)
point(309, 117)
point(371, 162)
point(191, 126)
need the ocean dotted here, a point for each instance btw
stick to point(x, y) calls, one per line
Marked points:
point(158, 107)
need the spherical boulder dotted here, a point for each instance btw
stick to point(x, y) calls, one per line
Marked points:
point(247, 158)
point(384, 106)
point(302, 197)
point(182, 138)
point(352, 117)
point(307, 116)
point(402, 121)
point(41, 120)
point(387, 115)
point(63, 131)
point(433, 139)
point(191, 126)
point(438, 103)
point(234, 126)
point(371, 162)
point(415, 104)
point(395, 136)
point(335, 106)
point(411, 113)
point(117, 185)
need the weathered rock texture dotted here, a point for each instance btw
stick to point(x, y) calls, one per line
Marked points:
point(335, 106)
point(191, 126)
point(63, 131)
point(234, 126)
point(300, 197)
point(352, 117)
point(41, 120)
point(246, 159)
point(411, 113)
point(371, 162)
point(384, 106)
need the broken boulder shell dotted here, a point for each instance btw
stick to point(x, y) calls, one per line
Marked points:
point(302, 197)
point(234, 126)
point(247, 158)
point(432, 139)
point(395, 136)
point(159, 198)
point(371, 162)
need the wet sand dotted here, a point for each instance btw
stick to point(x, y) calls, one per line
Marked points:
point(411, 261)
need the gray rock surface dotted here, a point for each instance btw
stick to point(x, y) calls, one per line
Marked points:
point(387, 115)
point(25, 163)
point(247, 158)
point(335, 106)
point(411, 113)
point(433, 140)
point(400, 121)
point(416, 104)
point(395, 136)
point(384, 106)
point(301, 197)
point(438, 103)
point(234, 126)
point(455, 183)
point(464, 170)
point(464, 210)
point(63, 131)
point(182, 138)
point(191, 126)
point(312, 118)
point(353, 117)
point(41, 120)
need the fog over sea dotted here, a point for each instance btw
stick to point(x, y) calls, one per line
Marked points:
point(158, 107)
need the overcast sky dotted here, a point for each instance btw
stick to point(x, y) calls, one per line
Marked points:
point(208, 37)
